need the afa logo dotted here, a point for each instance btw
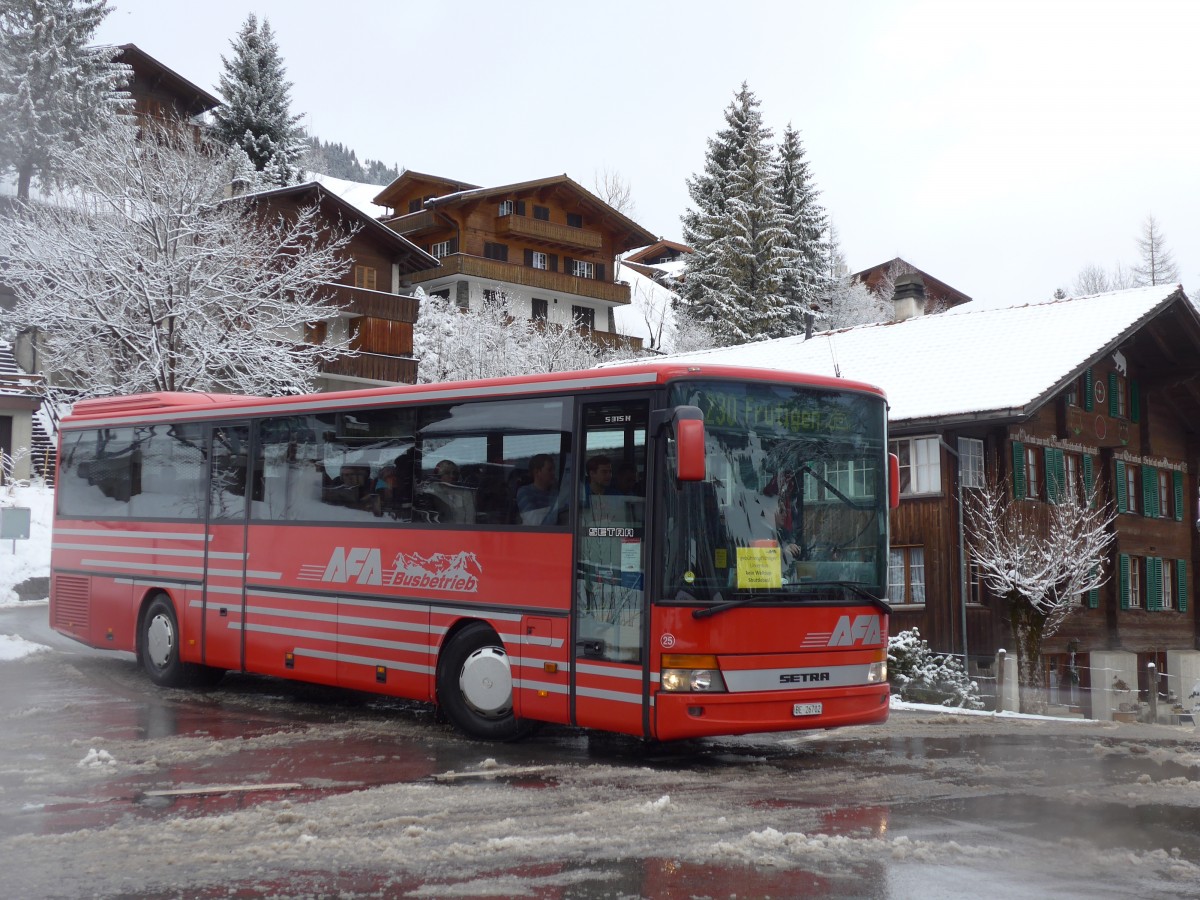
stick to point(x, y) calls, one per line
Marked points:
point(862, 630)
point(362, 564)
point(444, 572)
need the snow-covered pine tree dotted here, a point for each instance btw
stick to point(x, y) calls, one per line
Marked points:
point(257, 113)
point(54, 87)
point(806, 282)
point(709, 288)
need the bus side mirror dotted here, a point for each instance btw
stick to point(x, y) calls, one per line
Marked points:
point(689, 445)
point(893, 481)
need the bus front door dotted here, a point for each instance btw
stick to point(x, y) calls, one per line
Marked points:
point(608, 676)
point(225, 562)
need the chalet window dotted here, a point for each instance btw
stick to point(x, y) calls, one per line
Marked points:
point(1074, 486)
point(542, 212)
point(539, 260)
point(506, 208)
point(906, 575)
point(1131, 488)
point(920, 465)
point(1071, 394)
point(444, 293)
point(583, 317)
point(492, 298)
point(581, 268)
point(1164, 495)
point(541, 309)
point(1124, 398)
point(364, 277)
point(1033, 484)
point(1168, 582)
point(1129, 572)
point(495, 251)
point(414, 206)
point(440, 250)
point(970, 462)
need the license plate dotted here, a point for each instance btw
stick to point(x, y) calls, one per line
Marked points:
point(806, 709)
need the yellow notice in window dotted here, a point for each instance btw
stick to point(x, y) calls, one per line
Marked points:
point(758, 567)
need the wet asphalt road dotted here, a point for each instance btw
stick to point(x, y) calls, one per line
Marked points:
point(111, 787)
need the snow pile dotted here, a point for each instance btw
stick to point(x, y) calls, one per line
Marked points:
point(14, 647)
point(97, 759)
point(22, 560)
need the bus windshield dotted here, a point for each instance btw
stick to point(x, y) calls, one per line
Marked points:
point(794, 503)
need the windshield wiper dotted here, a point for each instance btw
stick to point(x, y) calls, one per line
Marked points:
point(853, 587)
point(856, 588)
point(729, 604)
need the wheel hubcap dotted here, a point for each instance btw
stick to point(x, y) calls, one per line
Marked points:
point(486, 682)
point(160, 640)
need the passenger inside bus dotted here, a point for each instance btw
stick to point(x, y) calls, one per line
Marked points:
point(537, 501)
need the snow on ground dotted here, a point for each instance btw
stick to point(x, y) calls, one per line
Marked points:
point(22, 560)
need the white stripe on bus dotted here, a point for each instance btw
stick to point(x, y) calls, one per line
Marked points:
point(598, 694)
point(423, 649)
point(608, 672)
point(154, 551)
point(528, 684)
point(363, 660)
point(148, 567)
point(156, 535)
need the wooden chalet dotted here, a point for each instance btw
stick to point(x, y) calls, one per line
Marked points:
point(1043, 398)
point(551, 245)
point(378, 313)
point(159, 92)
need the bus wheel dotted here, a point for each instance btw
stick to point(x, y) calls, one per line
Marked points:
point(474, 686)
point(160, 650)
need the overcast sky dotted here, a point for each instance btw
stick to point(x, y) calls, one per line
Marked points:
point(999, 146)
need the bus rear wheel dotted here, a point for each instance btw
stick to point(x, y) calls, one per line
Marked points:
point(160, 650)
point(474, 686)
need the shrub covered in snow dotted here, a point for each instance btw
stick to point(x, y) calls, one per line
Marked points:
point(919, 675)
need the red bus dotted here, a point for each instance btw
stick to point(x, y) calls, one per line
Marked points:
point(661, 550)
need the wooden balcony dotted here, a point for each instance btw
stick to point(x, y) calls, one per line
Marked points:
point(374, 304)
point(423, 221)
point(543, 232)
point(374, 367)
point(524, 277)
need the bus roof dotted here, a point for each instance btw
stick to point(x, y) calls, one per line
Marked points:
point(177, 406)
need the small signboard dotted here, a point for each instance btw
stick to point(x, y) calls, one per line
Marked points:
point(14, 523)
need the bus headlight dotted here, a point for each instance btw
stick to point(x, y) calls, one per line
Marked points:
point(877, 673)
point(682, 673)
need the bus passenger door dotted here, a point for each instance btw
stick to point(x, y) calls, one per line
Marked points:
point(225, 561)
point(609, 601)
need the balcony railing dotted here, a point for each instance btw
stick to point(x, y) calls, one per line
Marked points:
point(420, 222)
point(374, 367)
point(524, 276)
point(375, 304)
point(548, 232)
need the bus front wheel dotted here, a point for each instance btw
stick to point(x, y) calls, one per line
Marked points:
point(474, 686)
point(160, 650)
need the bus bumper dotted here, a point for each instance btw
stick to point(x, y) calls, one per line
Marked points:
point(689, 715)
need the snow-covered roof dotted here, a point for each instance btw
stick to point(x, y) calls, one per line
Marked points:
point(988, 362)
point(355, 193)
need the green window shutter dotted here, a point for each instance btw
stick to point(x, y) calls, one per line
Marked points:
point(1050, 479)
point(1089, 477)
point(1122, 499)
point(1123, 582)
point(1060, 469)
point(1135, 401)
point(1056, 474)
point(1093, 596)
point(1149, 492)
point(1181, 585)
point(1178, 478)
point(1088, 388)
point(1114, 408)
point(1153, 583)
point(1018, 469)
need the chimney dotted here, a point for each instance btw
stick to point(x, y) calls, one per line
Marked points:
point(909, 296)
